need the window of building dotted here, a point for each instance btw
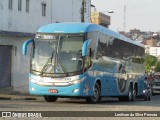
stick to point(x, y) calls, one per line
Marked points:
point(43, 9)
point(10, 4)
point(19, 5)
point(27, 5)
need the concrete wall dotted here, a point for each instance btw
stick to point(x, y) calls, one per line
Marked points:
point(155, 51)
point(56, 11)
point(20, 63)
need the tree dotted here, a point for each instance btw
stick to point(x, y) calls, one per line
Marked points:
point(157, 67)
point(150, 61)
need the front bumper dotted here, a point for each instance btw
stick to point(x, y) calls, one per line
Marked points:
point(73, 90)
point(156, 89)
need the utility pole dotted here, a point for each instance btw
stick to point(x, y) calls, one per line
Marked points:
point(83, 10)
point(124, 24)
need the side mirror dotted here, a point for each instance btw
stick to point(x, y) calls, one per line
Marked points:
point(25, 44)
point(85, 46)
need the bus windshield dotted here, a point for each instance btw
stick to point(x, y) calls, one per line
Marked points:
point(57, 54)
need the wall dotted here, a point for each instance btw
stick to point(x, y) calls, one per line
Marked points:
point(57, 11)
point(155, 51)
point(20, 63)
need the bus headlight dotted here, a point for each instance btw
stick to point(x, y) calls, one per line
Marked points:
point(77, 81)
point(36, 79)
point(144, 91)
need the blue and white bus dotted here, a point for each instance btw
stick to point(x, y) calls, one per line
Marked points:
point(84, 60)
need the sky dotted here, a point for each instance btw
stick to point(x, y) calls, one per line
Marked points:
point(140, 14)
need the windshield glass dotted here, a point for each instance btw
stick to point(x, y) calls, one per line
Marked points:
point(157, 78)
point(57, 54)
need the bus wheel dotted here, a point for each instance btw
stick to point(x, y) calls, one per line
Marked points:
point(130, 94)
point(96, 97)
point(133, 94)
point(149, 98)
point(50, 98)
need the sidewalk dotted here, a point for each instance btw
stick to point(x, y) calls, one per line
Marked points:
point(19, 97)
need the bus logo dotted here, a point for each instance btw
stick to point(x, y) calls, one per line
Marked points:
point(122, 78)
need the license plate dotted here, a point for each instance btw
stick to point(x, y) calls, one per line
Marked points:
point(53, 91)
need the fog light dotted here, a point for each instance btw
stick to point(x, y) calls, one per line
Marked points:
point(144, 91)
point(75, 90)
point(33, 89)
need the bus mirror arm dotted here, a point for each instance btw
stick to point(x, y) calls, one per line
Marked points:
point(85, 48)
point(25, 44)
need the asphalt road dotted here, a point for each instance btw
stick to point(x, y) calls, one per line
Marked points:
point(107, 104)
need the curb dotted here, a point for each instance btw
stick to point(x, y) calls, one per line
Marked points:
point(23, 98)
point(17, 97)
point(4, 98)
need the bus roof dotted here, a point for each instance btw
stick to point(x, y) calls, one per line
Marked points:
point(78, 27)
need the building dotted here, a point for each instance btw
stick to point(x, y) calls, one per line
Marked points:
point(19, 20)
point(100, 18)
point(21, 15)
point(155, 51)
point(147, 49)
point(135, 31)
point(151, 42)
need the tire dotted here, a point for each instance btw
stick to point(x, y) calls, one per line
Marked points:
point(149, 98)
point(133, 94)
point(130, 94)
point(146, 98)
point(50, 98)
point(96, 97)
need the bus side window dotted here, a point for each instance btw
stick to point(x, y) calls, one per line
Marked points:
point(93, 37)
point(100, 52)
point(101, 46)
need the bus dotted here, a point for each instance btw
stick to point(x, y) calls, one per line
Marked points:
point(84, 60)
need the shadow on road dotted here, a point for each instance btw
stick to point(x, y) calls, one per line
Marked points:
point(155, 102)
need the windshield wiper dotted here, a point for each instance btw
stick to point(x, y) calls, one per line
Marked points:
point(47, 64)
point(62, 66)
point(45, 67)
point(56, 62)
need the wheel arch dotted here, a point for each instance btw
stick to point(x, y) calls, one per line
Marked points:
point(131, 84)
point(99, 83)
point(136, 87)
